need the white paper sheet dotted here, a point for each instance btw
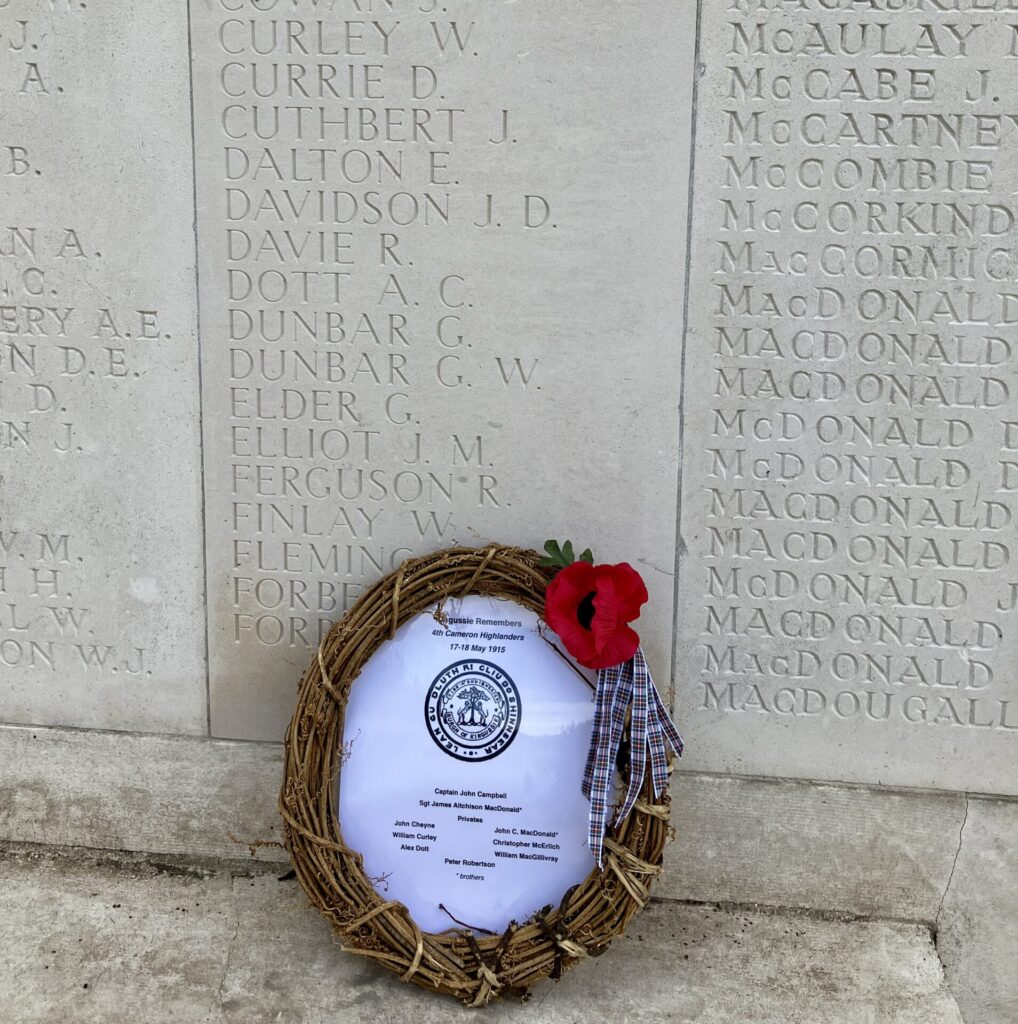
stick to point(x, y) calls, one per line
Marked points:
point(465, 753)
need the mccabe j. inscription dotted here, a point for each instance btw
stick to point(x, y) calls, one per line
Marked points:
point(851, 480)
point(411, 282)
point(100, 551)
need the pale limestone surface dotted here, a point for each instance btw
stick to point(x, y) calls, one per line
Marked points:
point(121, 943)
point(977, 927)
point(427, 433)
point(100, 505)
point(849, 850)
point(597, 303)
point(849, 480)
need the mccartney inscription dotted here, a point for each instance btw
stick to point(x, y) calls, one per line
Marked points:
point(397, 281)
point(850, 593)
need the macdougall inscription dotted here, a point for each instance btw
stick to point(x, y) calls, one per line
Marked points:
point(345, 145)
point(856, 493)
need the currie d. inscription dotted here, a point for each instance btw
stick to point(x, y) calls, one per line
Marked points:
point(848, 600)
point(101, 607)
point(438, 304)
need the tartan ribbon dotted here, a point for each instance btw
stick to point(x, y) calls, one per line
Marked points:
point(617, 688)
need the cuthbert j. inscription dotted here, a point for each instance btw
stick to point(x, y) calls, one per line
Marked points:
point(401, 297)
point(100, 552)
point(851, 410)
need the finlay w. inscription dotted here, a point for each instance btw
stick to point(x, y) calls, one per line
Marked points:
point(850, 593)
point(438, 303)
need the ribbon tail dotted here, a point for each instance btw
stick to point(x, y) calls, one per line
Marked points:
point(638, 733)
point(667, 725)
point(599, 772)
point(651, 733)
point(600, 714)
point(658, 755)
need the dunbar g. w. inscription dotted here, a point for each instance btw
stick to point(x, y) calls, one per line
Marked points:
point(851, 419)
point(439, 301)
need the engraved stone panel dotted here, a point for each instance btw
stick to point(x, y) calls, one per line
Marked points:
point(101, 589)
point(441, 266)
point(848, 600)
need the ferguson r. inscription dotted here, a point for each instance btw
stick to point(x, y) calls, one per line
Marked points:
point(849, 598)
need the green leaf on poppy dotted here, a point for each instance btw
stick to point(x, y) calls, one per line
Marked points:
point(558, 557)
point(561, 556)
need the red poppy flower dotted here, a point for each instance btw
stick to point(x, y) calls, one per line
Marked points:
point(591, 606)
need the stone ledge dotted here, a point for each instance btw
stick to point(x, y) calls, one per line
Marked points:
point(104, 943)
point(823, 847)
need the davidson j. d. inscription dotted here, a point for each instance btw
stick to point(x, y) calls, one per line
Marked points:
point(851, 488)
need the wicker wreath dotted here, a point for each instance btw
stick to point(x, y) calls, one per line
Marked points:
point(473, 969)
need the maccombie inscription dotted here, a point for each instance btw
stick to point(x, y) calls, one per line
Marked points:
point(439, 303)
point(848, 601)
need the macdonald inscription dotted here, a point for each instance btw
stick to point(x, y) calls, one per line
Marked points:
point(851, 398)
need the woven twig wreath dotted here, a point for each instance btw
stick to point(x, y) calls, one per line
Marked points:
point(473, 969)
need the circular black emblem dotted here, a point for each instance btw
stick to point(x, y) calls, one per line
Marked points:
point(473, 710)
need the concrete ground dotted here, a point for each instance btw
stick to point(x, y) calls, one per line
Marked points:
point(90, 938)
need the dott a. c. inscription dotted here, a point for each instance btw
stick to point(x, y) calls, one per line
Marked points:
point(851, 476)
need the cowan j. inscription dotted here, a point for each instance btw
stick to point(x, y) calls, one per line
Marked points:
point(851, 475)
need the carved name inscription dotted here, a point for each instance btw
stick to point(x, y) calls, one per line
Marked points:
point(411, 284)
point(850, 593)
point(100, 552)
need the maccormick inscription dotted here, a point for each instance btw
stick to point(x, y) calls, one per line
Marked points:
point(850, 479)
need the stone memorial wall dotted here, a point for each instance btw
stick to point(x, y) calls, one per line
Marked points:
point(101, 581)
point(851, 404)
point(292, 290)
point(439, 304)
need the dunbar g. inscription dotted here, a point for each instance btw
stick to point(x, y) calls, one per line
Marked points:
point(436, 303)
point(851, 479)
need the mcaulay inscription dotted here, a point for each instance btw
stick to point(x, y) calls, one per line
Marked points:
point(406, 306)
point(100, 493)
point(848, 598)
